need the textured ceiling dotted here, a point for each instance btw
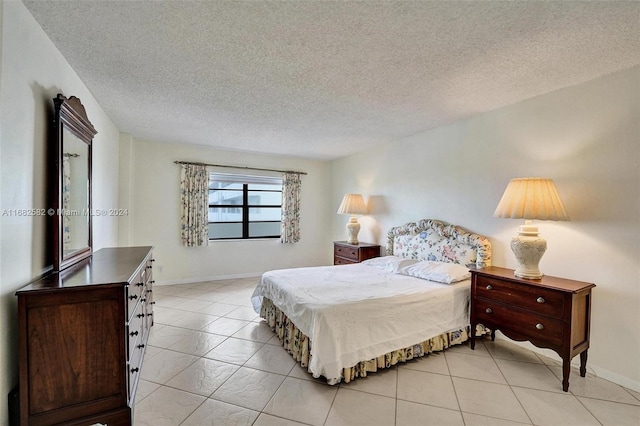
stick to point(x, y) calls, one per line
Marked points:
point(326, 79)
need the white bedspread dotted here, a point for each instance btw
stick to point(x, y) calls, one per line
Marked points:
point(357, 312)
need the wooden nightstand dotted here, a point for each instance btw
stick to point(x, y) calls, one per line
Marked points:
point(344, 253)
point(551, 312)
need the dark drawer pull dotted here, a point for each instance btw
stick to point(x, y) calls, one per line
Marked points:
point(143, 300)
point(133, 333)
point(149, 267)
point(135, 370)
point(152, 281)
point(153, 303)
point(140, 315)
point(353, 253)
point(133, 297)
point(153, 260)
point(489, 287)
point(539, 326)
point(488, 310)
point(540, 299)
point(139, 284)
point(150, 315)
point(140, 346)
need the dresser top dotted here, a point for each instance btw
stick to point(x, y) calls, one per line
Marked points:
point(546, 281)
point(113, 265)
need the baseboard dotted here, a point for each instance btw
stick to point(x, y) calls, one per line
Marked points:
point(626, 382)
point(597, 371)
point(205, 279)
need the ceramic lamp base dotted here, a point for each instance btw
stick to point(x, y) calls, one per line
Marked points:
point(528, 250)
point(353, 227)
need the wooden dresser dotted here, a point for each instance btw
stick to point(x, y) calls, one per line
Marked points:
point(345, 253)
point(551, 312)
point(82, 336)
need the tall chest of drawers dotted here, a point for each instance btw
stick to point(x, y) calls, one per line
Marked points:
point(551, 312)
point(82, 336)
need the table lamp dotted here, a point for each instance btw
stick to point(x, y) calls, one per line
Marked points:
point(528, 199)
point(352, 204)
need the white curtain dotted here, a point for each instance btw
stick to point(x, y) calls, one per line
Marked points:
point(290, 228)
point(194, 196)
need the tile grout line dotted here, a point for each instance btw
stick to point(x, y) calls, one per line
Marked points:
point(395, 417)
point(587, 408)
point(333, 400)
point(516, 395)
point(446, 361)
point(511, 388)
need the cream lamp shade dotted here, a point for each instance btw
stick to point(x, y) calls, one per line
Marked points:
point(352, 204)
point(529, 199)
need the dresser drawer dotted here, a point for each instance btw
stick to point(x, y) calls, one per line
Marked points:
point(149, 269)
point(536, 299)
point(343, 261)
point(134, 332)
point(537, 327)
point(134, 369)
point(133, 302)
point(148, 318)
point(148, 298)
point(346, 252)
point(133, 292)
point(143, 277)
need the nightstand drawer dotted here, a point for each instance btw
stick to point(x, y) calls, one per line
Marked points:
point(346, 252)
point(536, 299)
point(342, 261)
point(537, 327)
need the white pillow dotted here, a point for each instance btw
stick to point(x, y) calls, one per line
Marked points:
point(389, 263)
point(441, 272)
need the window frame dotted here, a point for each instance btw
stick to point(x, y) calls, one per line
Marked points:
point(245, 207)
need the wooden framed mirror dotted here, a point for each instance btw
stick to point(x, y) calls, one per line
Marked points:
point(73, 136)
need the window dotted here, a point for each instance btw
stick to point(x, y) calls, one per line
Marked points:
point(244, 207)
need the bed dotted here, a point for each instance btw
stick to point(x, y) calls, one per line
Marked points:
point(342, 322)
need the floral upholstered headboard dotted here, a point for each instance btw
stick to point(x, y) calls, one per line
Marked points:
point(431, 239)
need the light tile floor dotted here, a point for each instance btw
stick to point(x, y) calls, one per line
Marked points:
point(212, 361)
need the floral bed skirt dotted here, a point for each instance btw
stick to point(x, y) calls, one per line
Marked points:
point(299, 345)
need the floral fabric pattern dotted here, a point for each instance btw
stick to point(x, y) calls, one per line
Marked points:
point(290, 222)
point(194, 198)
point(299, 346)
point(434, 240)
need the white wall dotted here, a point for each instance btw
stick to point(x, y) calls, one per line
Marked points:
point(33, 72)
point(587, 138)
point(155, 214)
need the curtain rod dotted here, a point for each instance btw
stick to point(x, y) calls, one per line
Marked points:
point(239, 167)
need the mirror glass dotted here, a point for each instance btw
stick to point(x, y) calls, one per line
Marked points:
point(75, 193)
